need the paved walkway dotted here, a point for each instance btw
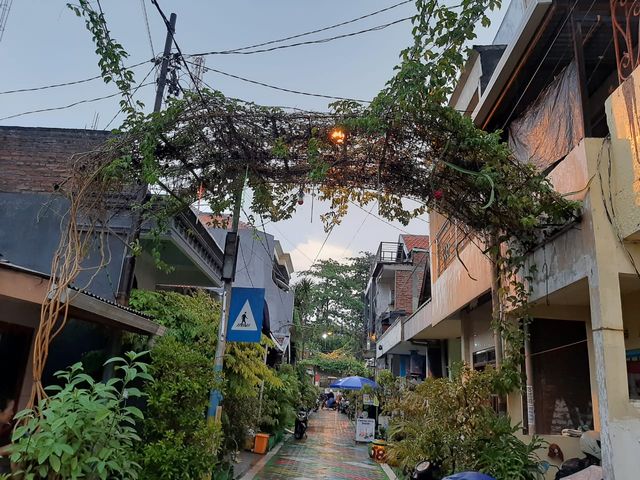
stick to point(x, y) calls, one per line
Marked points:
point(329, 452)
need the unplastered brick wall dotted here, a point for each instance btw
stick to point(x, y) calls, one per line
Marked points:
point(404, 291)
point(408, 283)
point(36, 159)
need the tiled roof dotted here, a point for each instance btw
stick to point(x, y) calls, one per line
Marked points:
point(219, 221)
point(415, 241)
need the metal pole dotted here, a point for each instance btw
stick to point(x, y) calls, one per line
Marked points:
point(125, 283)
point(215, 408)
point(266, 351)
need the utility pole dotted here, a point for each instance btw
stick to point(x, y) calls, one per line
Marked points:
point(228, 274)
point(125, 283)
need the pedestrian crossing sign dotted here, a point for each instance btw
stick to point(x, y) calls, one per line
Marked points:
point(245, 315)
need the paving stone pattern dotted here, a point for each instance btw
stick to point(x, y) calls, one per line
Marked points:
point(329, 452)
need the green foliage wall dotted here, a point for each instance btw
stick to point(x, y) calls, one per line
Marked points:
point(178, 442)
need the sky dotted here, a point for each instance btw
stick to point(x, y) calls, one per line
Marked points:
point(45, 43)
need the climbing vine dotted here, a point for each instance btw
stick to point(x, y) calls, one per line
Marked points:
point(406, 143)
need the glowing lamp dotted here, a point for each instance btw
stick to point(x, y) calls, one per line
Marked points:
point(338, 136)
point(300, 197)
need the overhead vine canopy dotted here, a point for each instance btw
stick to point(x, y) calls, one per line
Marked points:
point(430, 153)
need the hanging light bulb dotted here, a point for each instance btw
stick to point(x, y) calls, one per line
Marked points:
point(338, 135)
point(301, 196)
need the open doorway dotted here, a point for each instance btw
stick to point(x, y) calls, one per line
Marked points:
point(15, 342)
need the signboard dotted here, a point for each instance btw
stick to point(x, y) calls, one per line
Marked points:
point(245, 315)
point(365, 429)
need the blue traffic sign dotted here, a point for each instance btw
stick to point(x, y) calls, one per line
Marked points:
point(245, 315)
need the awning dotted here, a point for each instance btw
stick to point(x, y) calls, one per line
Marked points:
point(26, 286)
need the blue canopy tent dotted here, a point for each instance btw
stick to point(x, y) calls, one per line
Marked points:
point(353, 383)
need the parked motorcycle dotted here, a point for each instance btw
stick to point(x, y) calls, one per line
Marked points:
point(426, 470)
point(590, 446)
point(302, 422)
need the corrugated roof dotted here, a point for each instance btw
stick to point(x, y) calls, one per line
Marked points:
point(415, 241)
point(18, 268)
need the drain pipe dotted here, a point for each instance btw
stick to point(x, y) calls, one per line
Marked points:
point(528, 366)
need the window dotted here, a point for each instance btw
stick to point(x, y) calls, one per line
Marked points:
point(483, 358)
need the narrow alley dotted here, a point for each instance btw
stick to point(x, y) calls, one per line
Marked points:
point(329, 452)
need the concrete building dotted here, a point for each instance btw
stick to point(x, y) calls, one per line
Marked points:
point(262, 263)
point(559, 82)
point(567, 101)
point(398, 285)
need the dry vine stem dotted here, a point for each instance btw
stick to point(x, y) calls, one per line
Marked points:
point(85, 190)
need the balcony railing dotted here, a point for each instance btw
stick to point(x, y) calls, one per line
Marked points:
point(625, 17)
point(388, 252)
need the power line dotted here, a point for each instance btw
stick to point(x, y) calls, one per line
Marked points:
point(65, 84)
point(282, 89)
point(359, 228)
point(324, 242)
point(292, 37)
point(308, 42)
point(380, 218)
point(146, 22)
point(64, 107)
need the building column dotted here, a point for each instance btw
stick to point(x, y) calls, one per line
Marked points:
point(620, 425)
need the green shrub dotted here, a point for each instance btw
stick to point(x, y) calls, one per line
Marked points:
point(339, 363)
point(178, 441)
point(280, 402)
point(450, 422)
point(85, 429)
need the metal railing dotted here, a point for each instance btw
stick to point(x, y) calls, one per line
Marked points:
point(625, 19)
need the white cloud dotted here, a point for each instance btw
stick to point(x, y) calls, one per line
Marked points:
point(304, 253)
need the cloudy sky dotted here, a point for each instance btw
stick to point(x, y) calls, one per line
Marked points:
point(44, 43)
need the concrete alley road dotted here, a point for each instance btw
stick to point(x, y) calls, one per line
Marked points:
point(329, 452)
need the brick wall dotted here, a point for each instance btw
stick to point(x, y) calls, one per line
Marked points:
point(36, 159)
point(408, 283)
point(404, 291)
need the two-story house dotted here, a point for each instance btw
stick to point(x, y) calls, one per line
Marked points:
point(398, 284)
point(565, 93)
